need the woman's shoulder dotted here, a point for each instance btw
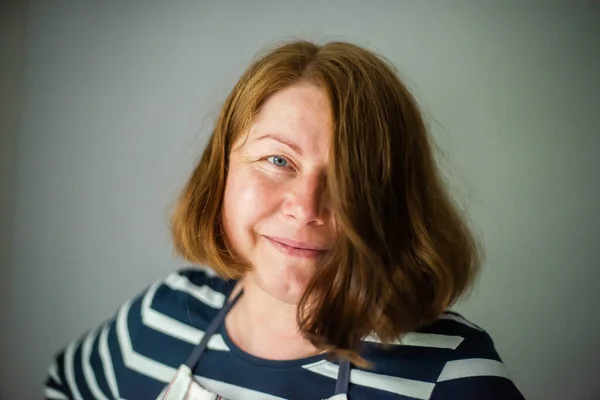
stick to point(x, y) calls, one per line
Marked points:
point(139, 348)
point(195, 291)
point(452, 330)
point(179, 305)
point(452, 355)
point(460, 339)
point(449, 332)
point(192, 279)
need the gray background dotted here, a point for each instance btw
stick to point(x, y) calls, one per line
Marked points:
point(106, 105)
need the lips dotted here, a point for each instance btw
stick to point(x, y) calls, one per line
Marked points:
point(298, 249)
point(298, 245)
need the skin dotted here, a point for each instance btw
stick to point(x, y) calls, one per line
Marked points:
point(275, 218)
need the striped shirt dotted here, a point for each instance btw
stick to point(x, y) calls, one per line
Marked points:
point(136, 353)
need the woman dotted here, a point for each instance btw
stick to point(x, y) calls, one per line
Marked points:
point(334, 253)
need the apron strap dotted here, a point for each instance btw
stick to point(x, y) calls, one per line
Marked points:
point(211, 330)
point(343, 379)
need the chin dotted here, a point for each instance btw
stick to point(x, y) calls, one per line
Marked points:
point(285, 283)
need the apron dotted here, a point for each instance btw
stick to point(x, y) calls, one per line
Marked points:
point(184, 386)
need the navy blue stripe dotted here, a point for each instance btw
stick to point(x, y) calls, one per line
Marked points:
point(116, 357)
point(410, 362)
point(79, 378)
point(357, 392)
point(60, 362)
point(199, 277)
point(279, 364)
point(478, 346)
point(132, 385)
point(154, 344)
point(449, 327)
point(226, 367)
point(97, 367)
point(477, 388)
point(54, 384)
point(456, 314)
point(183, 307)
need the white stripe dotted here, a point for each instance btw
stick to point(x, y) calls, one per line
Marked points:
point(88, 371)
point(135, 361)
point(472, 367)
point(423, 340)
point(54, 394)
point(69, 367)
point(460, 320)
point(203, 293)
point(406, 387)
point(208, 271)
point(174, 328)
point(230, 391)
point(53, 371)
point(106, 358)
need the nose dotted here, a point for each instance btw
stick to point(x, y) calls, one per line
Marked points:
point(306, 200)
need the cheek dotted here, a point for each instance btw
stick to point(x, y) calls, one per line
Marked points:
point(249, 199)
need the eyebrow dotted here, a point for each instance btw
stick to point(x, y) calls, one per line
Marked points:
point(279, 139)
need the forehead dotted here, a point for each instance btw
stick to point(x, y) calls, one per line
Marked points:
point(297, 100)
point(299, 113)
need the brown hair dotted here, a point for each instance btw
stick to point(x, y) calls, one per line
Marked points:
point(403, 252)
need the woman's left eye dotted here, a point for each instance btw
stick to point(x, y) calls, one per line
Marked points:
point(278, 161)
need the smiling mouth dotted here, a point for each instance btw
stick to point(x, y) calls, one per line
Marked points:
point(296, 249)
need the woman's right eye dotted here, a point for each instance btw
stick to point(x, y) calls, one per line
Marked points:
point(278, 161)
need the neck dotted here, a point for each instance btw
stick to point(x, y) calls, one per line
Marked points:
point(265, 327)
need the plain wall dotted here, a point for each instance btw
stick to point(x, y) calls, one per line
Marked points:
point(12, 61)
point(119, 99)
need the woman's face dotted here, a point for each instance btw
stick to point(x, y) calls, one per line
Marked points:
point(274, 215)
